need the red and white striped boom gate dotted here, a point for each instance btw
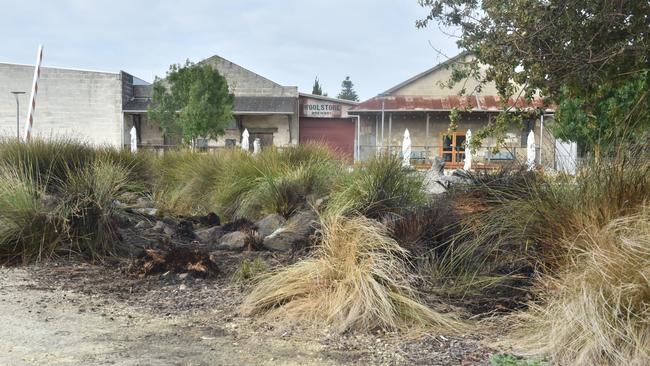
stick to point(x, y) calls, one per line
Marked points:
point(32, 99)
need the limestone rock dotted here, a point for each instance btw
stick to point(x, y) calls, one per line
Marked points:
point(235, 240)
point(210, 235)
point(434, 178)
point(294, 234)
point(269, 224)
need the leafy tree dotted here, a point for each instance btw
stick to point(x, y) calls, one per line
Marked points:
point(192, 101)
point(317, 89)
point(347, 90)
point(585, 56)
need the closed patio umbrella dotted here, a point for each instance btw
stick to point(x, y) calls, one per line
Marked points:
point(244, 140)
point(530, 151)
point(406, 148)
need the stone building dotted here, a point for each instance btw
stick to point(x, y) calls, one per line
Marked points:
point(267, 109)
point(423, 105)
point(101, 107)
point(77, 104)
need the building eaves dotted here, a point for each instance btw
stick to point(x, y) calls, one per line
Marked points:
point(330, 99)
point(242, 105)
point(404, 103)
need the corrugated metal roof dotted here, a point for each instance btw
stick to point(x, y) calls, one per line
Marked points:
point(446, 103)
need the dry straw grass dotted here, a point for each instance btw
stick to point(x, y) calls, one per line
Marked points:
point(597, 312)
point(357, 279)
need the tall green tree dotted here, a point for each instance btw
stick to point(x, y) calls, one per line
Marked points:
point(316, 89)
point(347, 90)
point(192, 101)
point(584, 56)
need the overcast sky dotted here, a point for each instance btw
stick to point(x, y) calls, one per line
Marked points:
point(375, 42)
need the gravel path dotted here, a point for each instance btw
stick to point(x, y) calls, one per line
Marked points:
point(92, 315)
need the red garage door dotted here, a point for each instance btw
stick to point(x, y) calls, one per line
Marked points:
point(338, 133)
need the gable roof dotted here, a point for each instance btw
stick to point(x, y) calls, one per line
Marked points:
point(425, 73)
point(243, 81)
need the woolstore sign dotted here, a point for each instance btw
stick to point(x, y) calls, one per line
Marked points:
point(320, 108)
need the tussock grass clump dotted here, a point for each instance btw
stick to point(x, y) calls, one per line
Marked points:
point(524, 220)
point(30, 229)
point(380, 187)
point(186, 182)
point(54, 159)
point(59, 195)
point(356, 280)
point(88, 197)
point(239, 185)
point(280, 181)
point(597, 310)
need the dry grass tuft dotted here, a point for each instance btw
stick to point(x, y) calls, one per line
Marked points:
point(597, 311)
point(356, 280)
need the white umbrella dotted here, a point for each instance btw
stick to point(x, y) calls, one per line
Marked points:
point(406, 148)
point(134, 139)
point(468, 151)
point(244, 140)
point(256, 146)
point(530, 151)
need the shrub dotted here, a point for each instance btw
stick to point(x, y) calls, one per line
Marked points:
point(356, 280)
point(597, 310)
point(380, 187)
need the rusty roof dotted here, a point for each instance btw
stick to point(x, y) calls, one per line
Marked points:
point(406, 103)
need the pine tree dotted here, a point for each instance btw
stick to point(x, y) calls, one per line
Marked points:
point(316, 89)
point(347, 90)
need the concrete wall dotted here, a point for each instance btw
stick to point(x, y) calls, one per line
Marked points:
point(84, 105)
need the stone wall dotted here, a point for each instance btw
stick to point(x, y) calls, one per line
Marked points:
point(83, 105)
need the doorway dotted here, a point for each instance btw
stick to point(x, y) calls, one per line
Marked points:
point(266, 139)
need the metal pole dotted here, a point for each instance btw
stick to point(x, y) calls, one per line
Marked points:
point(17, 117)
point(382, 125)
point(390, 131)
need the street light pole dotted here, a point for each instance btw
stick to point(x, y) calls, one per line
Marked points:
point(16, 94)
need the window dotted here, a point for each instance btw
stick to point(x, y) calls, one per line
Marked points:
point(453, 147)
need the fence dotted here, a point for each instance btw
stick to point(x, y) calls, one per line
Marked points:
point(483, 157)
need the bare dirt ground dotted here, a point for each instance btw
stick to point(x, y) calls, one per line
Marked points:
point(72, 313)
